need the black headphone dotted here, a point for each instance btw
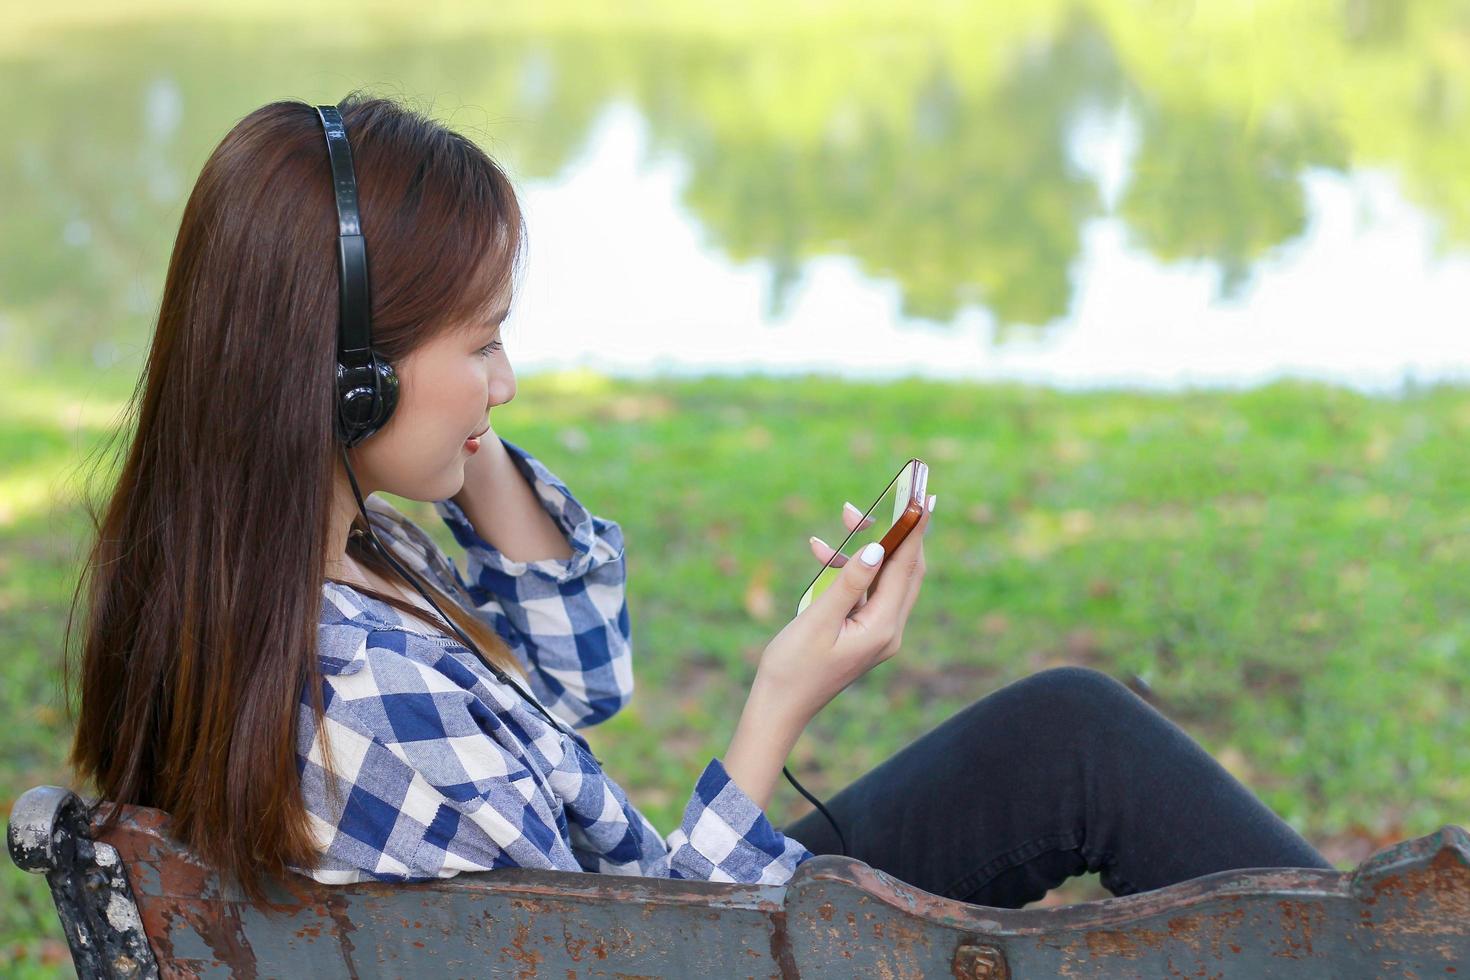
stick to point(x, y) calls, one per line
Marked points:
point(367, 386)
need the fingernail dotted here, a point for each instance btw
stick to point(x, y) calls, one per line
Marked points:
point(872, 553)
point(932, 498)
point(849, 506)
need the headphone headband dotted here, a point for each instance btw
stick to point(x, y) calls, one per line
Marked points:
point(355, 321)
point(367, 388)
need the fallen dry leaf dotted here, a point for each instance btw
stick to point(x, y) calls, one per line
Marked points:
point(759, 602)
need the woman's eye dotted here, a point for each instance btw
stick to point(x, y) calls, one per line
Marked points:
point(491, 348)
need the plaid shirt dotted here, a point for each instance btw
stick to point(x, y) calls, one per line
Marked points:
point(440, 768)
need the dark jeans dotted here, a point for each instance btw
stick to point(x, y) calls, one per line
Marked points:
point(1064, 772)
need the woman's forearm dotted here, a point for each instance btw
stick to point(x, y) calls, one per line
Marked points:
point(504, 509)
point(763, 739)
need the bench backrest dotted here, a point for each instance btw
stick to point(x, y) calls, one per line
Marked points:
point(135, 904)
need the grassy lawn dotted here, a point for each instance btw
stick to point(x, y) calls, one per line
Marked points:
point(1280, 571)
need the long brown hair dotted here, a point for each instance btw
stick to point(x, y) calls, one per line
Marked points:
point(204, 586)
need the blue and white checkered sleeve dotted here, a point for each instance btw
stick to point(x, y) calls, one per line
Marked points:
point(725, 836)
point(420, 789)
point(570, 613)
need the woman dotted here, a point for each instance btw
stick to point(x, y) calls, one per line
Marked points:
point(252, 666)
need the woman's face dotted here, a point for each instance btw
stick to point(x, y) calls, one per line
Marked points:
point(445, 389)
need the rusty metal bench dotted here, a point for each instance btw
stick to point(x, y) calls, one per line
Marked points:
point(134, 904)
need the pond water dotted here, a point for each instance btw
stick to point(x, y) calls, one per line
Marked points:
point(1358, 298)
point(1101, 193)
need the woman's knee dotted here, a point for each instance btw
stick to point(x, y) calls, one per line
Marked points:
point(1073, 692)
point(1051, 711)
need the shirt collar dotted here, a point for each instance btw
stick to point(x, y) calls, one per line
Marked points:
point(342, 631)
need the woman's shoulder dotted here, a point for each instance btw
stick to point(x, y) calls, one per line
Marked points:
point(383, 684)
point(365, 649)
point(353, 624)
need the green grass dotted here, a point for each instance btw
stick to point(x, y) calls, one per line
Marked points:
point(1282, 569)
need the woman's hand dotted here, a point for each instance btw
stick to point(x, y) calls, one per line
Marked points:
point(843, 634)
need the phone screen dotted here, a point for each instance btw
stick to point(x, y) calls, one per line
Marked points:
point(888, 519)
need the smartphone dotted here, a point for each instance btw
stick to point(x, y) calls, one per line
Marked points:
point(889, 519)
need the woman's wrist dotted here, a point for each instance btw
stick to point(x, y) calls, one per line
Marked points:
point(764, 736)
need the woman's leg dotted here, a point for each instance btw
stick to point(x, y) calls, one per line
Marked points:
point(1058, 774)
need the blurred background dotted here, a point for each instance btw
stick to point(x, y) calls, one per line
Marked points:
point(1171, 296)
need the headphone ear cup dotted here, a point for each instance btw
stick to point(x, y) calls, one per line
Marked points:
point(363, 407)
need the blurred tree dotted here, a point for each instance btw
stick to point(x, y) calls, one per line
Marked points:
point(931, 144)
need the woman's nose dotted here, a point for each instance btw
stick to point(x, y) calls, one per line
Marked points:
point(502, 386)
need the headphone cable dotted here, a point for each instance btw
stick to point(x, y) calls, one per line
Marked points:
point(448, 620)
